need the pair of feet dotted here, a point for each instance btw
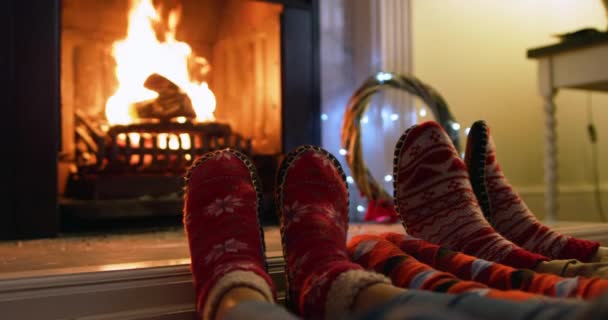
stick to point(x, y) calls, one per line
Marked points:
point(222, 202)
point(506, 211)
point(461, 206)
point(433, 196)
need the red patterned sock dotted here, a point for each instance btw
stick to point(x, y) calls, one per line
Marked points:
point(375, 253)
point(435, 200)
point(312, 200)
point(506, 211)
point(226, 242)
point(497, 275)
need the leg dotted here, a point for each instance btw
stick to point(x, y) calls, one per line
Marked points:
point(601, 255)
point(435, 199)
point(252, 309)
point(376, 253)
point(505, 209)
point(224, 234)
point(234, 297)
point(312, 203)
point(496, 275)
point(375, 296)
point(414, 304)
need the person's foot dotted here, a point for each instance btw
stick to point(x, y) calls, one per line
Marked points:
point(507, 212)
point(435, 200)
point(312, 203)
point(221, 206)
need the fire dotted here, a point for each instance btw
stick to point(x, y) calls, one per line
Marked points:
point(141, 54)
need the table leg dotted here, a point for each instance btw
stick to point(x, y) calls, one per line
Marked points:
point(551, 176)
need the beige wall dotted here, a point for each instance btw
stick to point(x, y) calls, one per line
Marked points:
point(474, 53)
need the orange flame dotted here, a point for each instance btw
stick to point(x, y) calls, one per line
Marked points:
point(141, 54)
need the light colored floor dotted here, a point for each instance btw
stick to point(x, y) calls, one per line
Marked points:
point(161, 248)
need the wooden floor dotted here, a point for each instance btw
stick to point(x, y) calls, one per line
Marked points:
point(68, 255)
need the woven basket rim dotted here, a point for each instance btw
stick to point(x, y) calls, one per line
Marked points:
point(358, 105)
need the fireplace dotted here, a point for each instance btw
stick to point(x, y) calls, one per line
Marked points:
point(130, 93)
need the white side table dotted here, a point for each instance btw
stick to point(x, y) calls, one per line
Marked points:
point(578, 64)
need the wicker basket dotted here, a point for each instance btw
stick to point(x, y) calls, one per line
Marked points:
point(351, 126)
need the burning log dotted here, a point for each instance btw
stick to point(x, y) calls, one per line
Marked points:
point(172, 102)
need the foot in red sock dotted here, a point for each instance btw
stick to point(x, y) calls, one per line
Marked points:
point(221, 205)
point(436, 202)
point(506, 211)
point(312, 202)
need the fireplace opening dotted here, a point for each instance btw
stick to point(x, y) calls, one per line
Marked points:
point(147, 86)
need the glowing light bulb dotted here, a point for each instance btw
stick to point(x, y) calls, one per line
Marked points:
point(388, 178)
point(394, 117)
point(360, 208)
point(343, 152)
point(350, 180)
point(365, 119)
point(456, 126)
point(422, 112)
point(324, 117)
point(383, 76)
point(385, 114)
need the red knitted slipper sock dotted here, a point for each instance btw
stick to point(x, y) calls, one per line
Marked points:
point(496, 275)
point(375, 253)
point(222, 200)
point(506, 211)
point(435, 200)
point(312, 201)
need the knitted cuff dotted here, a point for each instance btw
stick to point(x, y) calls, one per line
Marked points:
point(345, 288)
point(230, 281)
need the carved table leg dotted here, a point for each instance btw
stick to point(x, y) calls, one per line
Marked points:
point(551, 177)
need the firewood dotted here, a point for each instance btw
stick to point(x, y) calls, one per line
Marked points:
point(171, 102)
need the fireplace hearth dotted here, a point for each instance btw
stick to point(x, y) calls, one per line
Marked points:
point(258, 60)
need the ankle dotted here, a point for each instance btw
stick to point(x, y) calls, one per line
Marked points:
point(226, 290)
point(375, 295)
point(342, 292)
point(234, 297)
point(601, 255)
